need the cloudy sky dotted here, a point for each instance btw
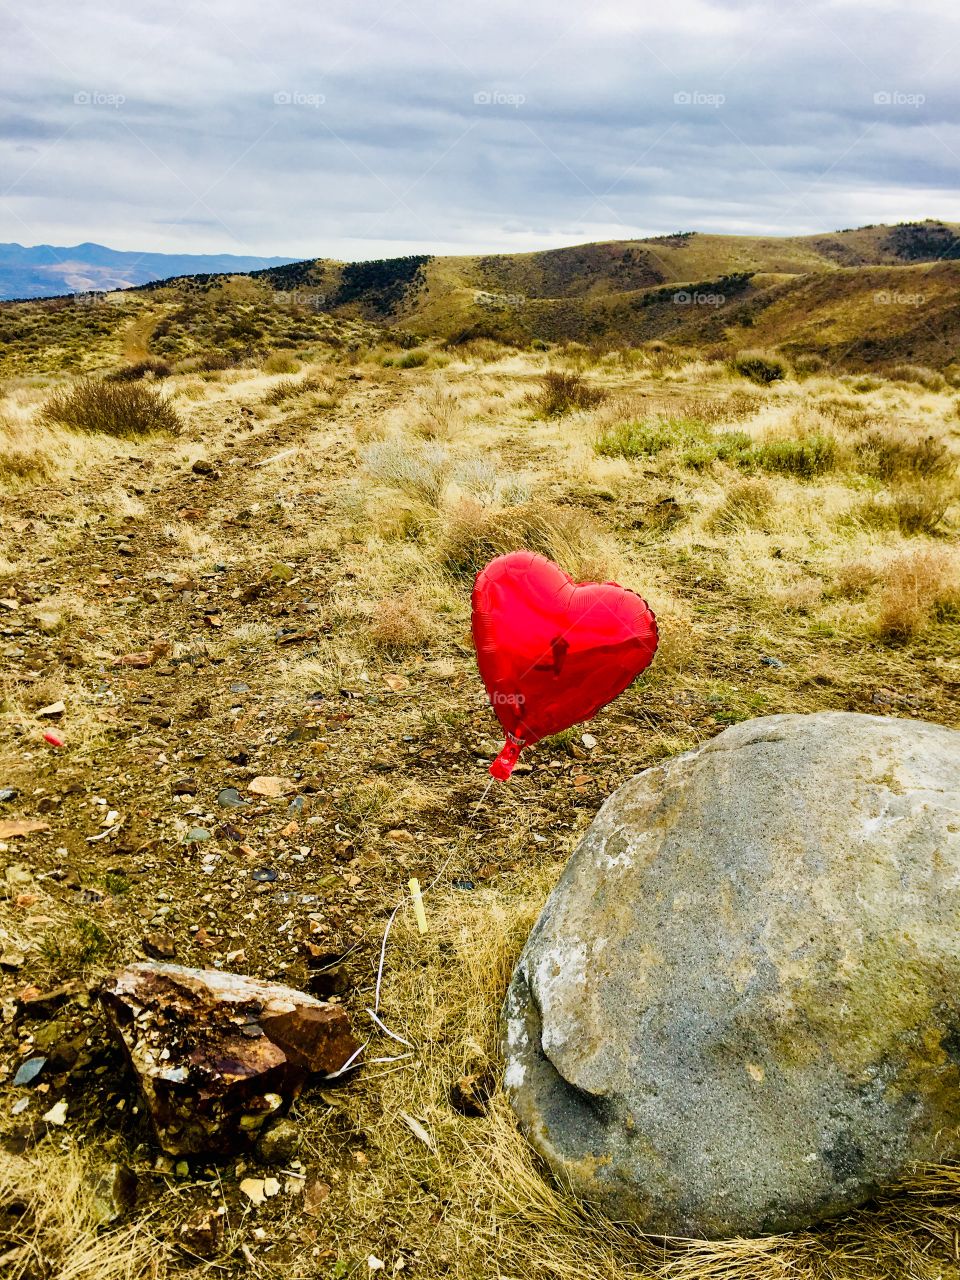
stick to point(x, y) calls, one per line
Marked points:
point(369, 128)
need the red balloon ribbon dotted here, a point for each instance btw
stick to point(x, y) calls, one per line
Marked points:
point(552, 651)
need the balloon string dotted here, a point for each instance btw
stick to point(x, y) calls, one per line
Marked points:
point(386, 933)
point(486, 792)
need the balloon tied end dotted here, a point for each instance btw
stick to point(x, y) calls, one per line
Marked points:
point(505, 762)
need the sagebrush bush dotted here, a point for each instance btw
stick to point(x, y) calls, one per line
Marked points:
point(890, 453)
point(419, 470)
point(759, 366)
point(910, 508)
point(126, 410)
point(561, 393)
point(149, 368)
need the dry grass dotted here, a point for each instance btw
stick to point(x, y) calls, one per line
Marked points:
point(54, 1223)
point(474, 534)
point(561, 393)
point(400, 624)
point(919, 585)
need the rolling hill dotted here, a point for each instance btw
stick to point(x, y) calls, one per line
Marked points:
point(864, 298)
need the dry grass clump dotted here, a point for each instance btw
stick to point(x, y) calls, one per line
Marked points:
point(53, 1224)
point(747, 505)
point(436, 415)
point(149, 368)
point(910, 508)
point(761, 367)
point(281, 362)
point(561, 393)
point(400, 624)
point(421, 471)
point(920, 585)
point(123, 410)
point(22, 457)
point(474, 534)
point(917, 375)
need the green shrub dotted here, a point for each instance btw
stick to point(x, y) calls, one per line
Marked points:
point(638, 439)
point(412, 360)
point(736, 448)
point(123, 409)
point(561, 393)
point(805, 457)
point(759, 366)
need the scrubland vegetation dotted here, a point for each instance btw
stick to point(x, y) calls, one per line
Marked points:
point(293, 538)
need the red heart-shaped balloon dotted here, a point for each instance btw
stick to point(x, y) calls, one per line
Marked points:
point(552, 651)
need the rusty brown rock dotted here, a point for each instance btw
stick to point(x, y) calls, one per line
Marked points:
point(217, 1055)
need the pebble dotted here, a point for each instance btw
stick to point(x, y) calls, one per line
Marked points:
point(160, 945)
point(28, 1071)
point(8, 793)
point(230, 798)
point(263, 874)
point(184, 787)
point(196, 835)
point(768, 661)
point(238, 686)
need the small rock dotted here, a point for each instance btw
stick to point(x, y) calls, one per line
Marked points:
point(263, 875)
point(230, 798)
point(281, 572)
point(54, 709)
point(197, 835)
point(28, 1071)
point(203, 1233)
point(34, 1003)
point(57, 1113)
point(184, 787)
point(768, 661)
point(160, 945)
point(8, 793)
point(588, 740)
point(279, 1143)
point(252, 1188)
point(11, 958)
point(271, 787)
point(204, 467)
point(238, 686)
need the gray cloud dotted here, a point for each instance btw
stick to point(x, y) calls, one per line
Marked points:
point(381, 128)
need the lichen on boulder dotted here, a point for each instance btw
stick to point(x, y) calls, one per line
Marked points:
point(739, 1012)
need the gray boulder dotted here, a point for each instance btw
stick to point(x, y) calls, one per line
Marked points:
point(739, 1012)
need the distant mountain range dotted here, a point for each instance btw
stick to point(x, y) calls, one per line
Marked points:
point(45, 270)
